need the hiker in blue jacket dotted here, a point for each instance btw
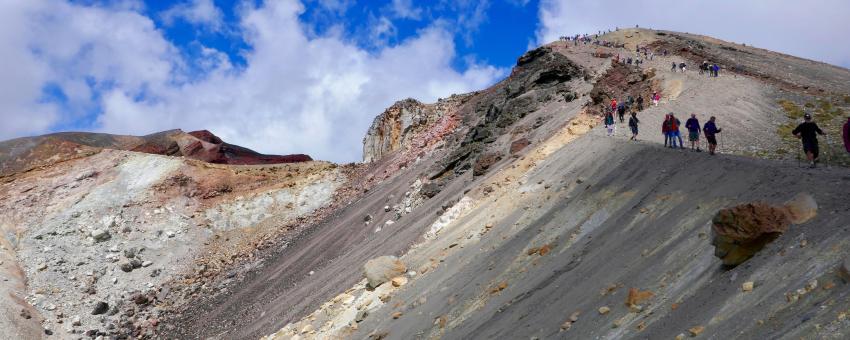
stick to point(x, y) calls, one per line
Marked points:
point(710, 130)
point(693, 132)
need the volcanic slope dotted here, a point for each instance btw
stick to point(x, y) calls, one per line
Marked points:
point(517, 217)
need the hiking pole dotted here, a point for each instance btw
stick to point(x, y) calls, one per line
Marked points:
point(828, 153)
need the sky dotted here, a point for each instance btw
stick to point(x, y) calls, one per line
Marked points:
point(309, 76)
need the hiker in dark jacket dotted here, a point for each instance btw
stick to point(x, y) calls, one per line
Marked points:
point(621, 111)
point(640, 103)
point(633, 125)
point(808, 132)
point(710, 130)
point(609, 123)
point(665, 129)
point(693, 132)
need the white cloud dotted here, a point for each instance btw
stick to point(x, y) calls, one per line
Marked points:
point(404, 9)
point(79, 50)
point(197, 12)
point(815, 29)
point(296, 93)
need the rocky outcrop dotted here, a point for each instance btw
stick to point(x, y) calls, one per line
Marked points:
point(742, 231)
point(205, 146)
point(395, 128)
point(32, 152)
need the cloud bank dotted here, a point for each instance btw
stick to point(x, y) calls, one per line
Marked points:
point(295, 94)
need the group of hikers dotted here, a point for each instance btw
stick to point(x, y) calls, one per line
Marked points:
point(670, 127)
point(807, 131)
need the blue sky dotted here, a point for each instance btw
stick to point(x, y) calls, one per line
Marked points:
point(308, 76)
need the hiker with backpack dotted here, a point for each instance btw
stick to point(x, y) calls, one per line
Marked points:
point(693, 132)
point(710, 131)
point(674, 125)
point(808, 132)
point(640, 103)
point(633, 125)
point(655, 98)
point(609, 123)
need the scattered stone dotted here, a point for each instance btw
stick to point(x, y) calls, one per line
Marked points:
point(126, 267)
point(361, 315)
point(518, 145)
point(397, 315)
point(604, 310)
point(747, 286)
point(811, 285)
point(25, 314)
point(146, 263)
point(41, 266)
point(367, 218)
point(696, 330)
point(100, 235)
point(307, 329)
point(75, 321)
point(636, 297)
point(383, 269)
point(399, 281)
point(100, 308)
point(130, 253)
point(387, 208)
point(681, 336)
point(566, 325)
point(136, 263)
point(574, 316)
point(499, 287)
point(389, 223)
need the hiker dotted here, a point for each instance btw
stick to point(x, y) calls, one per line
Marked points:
point(640, 103)
point(716, 70)
point(665, 129)
point(674, 132)
point(808, 132)
point(682, 66)
point(655, 98)
point(609, 123)
point(710, 130)
point(633, 125)
point(629, 102)
point(673, 69)
point(621, 111)
point(847, 135)
point(693, 132)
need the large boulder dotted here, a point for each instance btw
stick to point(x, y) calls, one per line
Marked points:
point(742, 231)
point(383, 269)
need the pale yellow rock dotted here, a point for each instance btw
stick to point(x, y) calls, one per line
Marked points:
point(307, 329)
point(696, 330)
point(680, 336)
point(747, 286)
point(604, 310)
point(399, 281)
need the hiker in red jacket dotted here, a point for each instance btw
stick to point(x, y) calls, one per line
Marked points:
point(847, 135)
point(665, 129)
